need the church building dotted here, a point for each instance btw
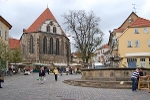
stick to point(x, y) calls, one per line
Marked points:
point(44, 42)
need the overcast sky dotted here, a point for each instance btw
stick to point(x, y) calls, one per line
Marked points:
point(22, 13)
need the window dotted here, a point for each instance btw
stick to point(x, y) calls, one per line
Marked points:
point(57, 46)
point(129, 44)
point(132, 62)
point(31, 45)
point(136, 31)
point(149, 43)
point(5, 35)
point(0, 31)
point(136, 43)
point(48, 29)
point(45, 45)
point(51, 46)
point(142, 61)
point(145, 30)
point(54, 30)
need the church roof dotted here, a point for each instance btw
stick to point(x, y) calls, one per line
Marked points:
point(46, 15)
point(13, 43)
point(140, 22)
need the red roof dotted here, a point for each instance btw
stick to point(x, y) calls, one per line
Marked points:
point(140, 22)
point(46, 15)
point(119, 30)
point(104, 46)
point(13, 43)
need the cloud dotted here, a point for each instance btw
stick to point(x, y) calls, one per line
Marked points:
point(22, 13)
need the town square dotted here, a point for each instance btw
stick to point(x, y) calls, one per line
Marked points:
point(74, 50)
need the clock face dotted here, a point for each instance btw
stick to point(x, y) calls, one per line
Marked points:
point(146, 30)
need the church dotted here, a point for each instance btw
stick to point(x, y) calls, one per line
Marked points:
point(44, 42)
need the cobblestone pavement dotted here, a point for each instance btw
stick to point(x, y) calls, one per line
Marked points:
point(26, 87)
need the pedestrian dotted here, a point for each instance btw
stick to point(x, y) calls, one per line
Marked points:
point(1, 79)
point(140, 74)
point(67, 70)
point(48, 71)
point(56, 73)
point(134, 77)
point(61, 70)
point(41, 75)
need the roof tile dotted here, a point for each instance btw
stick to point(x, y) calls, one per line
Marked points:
point(46, 15)
point(140, 22)
point(13, 43)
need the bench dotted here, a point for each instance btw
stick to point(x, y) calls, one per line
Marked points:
point(144, 82)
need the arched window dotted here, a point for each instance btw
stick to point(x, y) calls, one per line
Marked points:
point(54, 30)
point(31, 44)
point(48, 28)
point(57, 46)
point(51, 46)
point(45, 45)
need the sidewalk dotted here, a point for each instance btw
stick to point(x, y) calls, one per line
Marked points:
point(13, 77)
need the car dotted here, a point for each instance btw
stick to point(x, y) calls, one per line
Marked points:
point(27, 72)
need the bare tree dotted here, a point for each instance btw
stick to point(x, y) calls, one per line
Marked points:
point(87, 34)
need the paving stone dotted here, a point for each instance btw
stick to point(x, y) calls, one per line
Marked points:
point(26, 87)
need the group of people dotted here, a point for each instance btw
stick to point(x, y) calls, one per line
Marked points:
point(42, 74)
point(135, 78)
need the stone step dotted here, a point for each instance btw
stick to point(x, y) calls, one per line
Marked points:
point(100, 84)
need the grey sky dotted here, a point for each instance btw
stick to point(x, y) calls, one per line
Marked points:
point(22, 13)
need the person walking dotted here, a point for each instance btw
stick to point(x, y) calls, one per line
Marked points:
point(41, 75)
point(61, 70)
point(134, 79)
point(56, 73)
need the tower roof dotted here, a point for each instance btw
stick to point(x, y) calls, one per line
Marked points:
point(46, 15)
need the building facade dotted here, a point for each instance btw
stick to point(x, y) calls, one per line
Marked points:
point(99, 55)
point(45, 42)
point(113, 40)
point(134, 44)
point(4, 29)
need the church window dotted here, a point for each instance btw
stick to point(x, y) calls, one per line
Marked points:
point(48, 29)
point(31, 44)
point(57, 46)
point(51, 46)
point(54, 30)
point(45, 45)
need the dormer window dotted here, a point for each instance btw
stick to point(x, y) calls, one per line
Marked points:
point(136, 31)
point(54, 30)
point(48, 29)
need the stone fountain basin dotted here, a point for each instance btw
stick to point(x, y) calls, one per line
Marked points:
point(119, 78)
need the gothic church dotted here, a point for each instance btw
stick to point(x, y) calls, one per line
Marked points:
point(45, 42)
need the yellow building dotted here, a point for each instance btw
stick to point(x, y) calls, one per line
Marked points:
point(134, 44)
point(114, 37)
point(4, 29)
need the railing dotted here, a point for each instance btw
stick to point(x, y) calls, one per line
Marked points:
point(144, 82)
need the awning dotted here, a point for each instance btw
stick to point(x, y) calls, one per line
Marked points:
point(60, 64)
point(40, 64)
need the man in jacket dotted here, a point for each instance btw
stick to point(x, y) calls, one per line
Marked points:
point(41, 75)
